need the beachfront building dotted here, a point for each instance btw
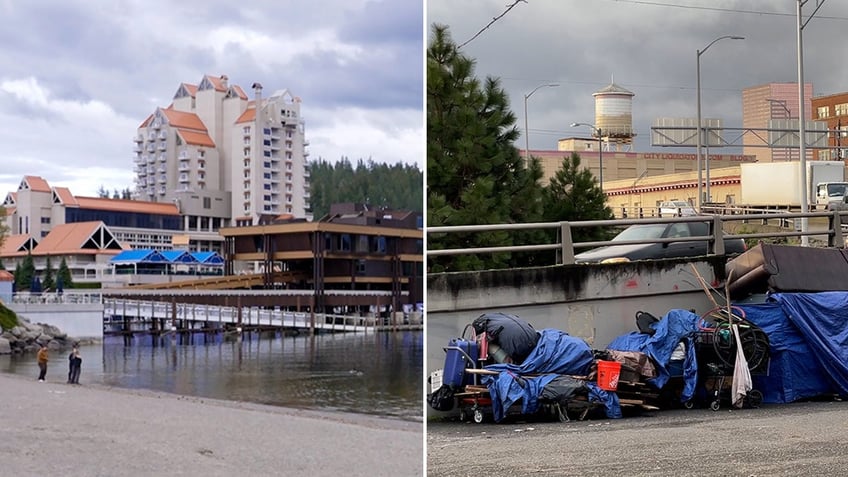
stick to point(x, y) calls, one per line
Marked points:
point(353, 248)
point(37, 211)
point(222, 158)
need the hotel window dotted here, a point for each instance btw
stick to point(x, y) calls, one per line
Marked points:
point(823, 111)
point(841, 109)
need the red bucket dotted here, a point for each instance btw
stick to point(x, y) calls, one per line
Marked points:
point(608, 373)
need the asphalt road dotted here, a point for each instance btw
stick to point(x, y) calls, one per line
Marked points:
point(803, 439)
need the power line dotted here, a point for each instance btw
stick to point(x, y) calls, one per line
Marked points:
point(724, 10)
point(508, 8)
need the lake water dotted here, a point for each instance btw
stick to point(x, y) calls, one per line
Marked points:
point(375, 373)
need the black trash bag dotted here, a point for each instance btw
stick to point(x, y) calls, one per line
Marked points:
point(564, 389)
point(442, 399)
point(516, 337)
point(644, 322)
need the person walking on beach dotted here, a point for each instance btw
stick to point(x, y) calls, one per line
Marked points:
point(75, 364)
point(42, 362)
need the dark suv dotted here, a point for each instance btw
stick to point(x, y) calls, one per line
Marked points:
point(654, 250)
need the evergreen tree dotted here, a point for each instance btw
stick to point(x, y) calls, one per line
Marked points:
point(49, 282)
point(19, 285)
point(2, 266)
point(573, 193)
point(65, 274)
point(395, 186)
point(475, 175)
point(23, 280)
point(4, 229)
point(102, 192)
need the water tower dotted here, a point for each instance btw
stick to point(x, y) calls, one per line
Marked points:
point(613, 116)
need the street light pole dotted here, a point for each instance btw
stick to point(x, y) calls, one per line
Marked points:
point(802, 149)
point(597, 131)
point(698, 126)
point(526, 129)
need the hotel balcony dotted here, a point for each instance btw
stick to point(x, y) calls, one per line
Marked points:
point(137, 148)
point(151, 170)
point(163, 134)
point(184, 178)
point(151, 147)
point(183, 155)
point(139, 138)
point(151, 135)
point(201, 179)
point(184, 166)
point(163, 146)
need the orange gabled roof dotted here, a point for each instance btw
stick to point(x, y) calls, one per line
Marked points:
point(65, 196)
point(240, 92)
point(13, 244)
point(191, 88)
point(37, 184)
point(180, 119)
point(217, 83)
point(146, 122)
point(126, 205)
point(247, 116)
point(78, 238)
point(196, 138)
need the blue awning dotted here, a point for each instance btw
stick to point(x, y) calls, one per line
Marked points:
point(138, 256)
point(208, 258)
point(178, 256)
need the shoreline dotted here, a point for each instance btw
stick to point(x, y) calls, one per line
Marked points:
point(93, 429)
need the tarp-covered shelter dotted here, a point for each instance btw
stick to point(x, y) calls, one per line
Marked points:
point(808, 334)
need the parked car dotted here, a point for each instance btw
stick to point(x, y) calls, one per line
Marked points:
point(654, 250)
point(677, 208)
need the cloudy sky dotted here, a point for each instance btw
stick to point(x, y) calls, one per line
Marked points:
point(78, 77)
point(648, 47)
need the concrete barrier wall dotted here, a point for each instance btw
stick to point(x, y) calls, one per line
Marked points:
point(79, 320)
point(593, 302)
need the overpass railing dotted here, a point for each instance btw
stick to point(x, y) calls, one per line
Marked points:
point(828, 228)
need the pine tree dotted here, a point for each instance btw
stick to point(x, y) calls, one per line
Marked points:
point(475, 174)
point(19, 284)
point(49, 282)
point(573, 193)
point(23, 280)
point(64, 274)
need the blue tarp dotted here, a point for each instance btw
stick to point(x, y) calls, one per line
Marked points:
point(675, 326)
point(794, 371)
point(822, 319)
point(555, 353)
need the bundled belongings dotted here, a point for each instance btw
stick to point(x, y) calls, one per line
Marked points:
point(674, 327)
point(555, 353)
point(512, 335)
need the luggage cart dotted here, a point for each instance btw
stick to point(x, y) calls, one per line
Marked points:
point(715, 350)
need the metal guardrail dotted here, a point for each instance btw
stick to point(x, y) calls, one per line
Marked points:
point(715, 239)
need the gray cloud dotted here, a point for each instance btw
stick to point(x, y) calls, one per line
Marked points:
point(103, 68)
point(649, 48)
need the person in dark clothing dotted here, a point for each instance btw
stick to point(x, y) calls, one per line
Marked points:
point(74, 366)
point(42, 362)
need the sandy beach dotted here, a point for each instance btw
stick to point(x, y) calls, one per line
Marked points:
point(53, 428)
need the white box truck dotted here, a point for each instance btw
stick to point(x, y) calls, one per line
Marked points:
point(778, 185)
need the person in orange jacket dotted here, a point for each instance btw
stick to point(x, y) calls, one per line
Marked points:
point(42, 362)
